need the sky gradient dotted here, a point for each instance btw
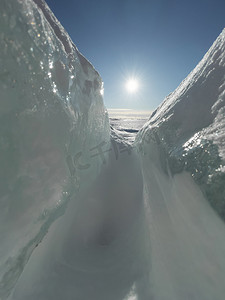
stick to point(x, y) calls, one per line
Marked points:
point(159, 42)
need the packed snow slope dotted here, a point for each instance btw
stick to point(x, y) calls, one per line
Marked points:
point(86, 215)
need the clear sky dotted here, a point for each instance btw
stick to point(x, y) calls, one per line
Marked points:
point(159, 42)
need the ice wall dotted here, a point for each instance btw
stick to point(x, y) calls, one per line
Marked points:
point(51, 116)
point(181, 150)
point(188, 127)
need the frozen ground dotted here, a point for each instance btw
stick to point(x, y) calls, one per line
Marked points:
point(86, 213)
point(128, 122)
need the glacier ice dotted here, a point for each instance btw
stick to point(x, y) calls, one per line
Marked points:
point(84, 213)
point(51, 112)
point(181, 150)
point(189, 126)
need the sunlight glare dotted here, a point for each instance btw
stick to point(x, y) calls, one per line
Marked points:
point(132, 85)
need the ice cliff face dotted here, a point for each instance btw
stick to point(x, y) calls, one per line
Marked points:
point(181, 151)
point(51, 115)
point(188, 127)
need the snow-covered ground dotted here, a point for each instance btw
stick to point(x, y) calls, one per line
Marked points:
point(128, 122)
point(86, 213)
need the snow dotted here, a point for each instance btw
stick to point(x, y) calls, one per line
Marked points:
point(97, 249)
point(85, 213)
point(186, 236)
point(128, 122)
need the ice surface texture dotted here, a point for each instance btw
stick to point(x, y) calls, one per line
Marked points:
point(51, 115)
point(189, 126)
point(186, 133)
point(129, 223)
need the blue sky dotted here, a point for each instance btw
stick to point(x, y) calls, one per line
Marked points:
point(159, 42)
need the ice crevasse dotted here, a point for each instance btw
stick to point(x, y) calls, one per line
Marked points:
point(84, 214)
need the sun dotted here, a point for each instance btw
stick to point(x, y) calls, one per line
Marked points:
point(132, 85)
